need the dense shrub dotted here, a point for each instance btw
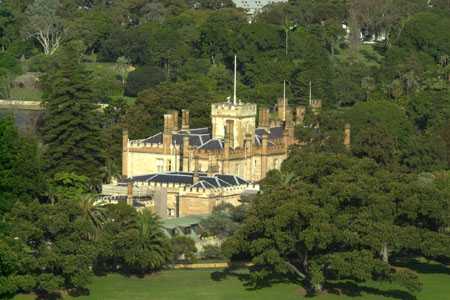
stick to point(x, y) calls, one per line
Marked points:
point(143, 78)
point(212, 252)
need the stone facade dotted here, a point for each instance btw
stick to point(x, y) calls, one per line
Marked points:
point(234, 145)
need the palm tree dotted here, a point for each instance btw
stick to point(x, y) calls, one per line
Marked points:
point(152, 245)
point(94, 212)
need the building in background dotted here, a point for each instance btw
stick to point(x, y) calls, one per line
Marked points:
point(254, 6)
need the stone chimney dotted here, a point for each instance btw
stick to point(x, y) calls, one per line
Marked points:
point(186, 153)
point(282, 106)
point(289, 130)
point(264, 121)
point(185, 119)
point(300, 115)
point(264, 154)
point(130, 193)
point(196, 173)
point(347, 136)
point(174, 120)
point(211, 165)
point(125, 153)
point(167, 134)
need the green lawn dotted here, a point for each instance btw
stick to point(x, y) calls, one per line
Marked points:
point(25, 94)
point(200, 285)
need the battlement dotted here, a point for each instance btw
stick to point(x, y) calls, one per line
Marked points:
point(231, 110)
point(142, 146)
point(178, 187)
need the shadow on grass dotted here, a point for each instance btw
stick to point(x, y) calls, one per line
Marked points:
point(352, 289)
point(79, 292)
point(346, 288)
point(243, 276)
point(49, 296)
point(424, 267)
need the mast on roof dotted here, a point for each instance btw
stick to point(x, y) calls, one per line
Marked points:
point(235, 81)
point(310, 92)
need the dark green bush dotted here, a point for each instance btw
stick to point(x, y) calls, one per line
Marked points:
point(143, 78)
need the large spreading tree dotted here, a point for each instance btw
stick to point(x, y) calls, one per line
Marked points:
point(328, 217)
point(72, 128)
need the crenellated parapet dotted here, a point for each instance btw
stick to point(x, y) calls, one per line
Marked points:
point(226, 109)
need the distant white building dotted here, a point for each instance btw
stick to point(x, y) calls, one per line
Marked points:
point(254, 6)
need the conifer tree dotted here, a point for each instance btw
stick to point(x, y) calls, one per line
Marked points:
point(71, 129)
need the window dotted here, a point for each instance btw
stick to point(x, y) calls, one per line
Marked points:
point(169, 165)
point(159, 165)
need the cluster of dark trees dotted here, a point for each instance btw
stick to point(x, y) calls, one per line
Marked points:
point(54, 232)
point(331, 213)
point(183, 52)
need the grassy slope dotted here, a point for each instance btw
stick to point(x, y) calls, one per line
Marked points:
point(199, 285)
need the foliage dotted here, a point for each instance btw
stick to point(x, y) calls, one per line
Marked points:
point(380, 130)
point(58, 253)
point(212, 252)
point(183, 249)
point(20, 167)
point(339, 217)
point(143, 78)
point(71, 129)
point(44, 24)
point(194, 95)
point(132, 241)
point(223, 221)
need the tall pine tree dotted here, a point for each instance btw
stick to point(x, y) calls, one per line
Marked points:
point(71, 129)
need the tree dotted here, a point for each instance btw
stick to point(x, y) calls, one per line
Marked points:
point(13, 277)
point(380, 130)
point(223, 221)
point(143, 78)
point(114, 123)
point(339, 217)
point(20, 167)
point(183, 248)
point(71, 127)
point(122, 66)
point(92, 211)
point(45, 25)
point(144, 247)
point(59, 252)
point(146, 116)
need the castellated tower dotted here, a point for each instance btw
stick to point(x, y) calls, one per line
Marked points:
point(243, 116)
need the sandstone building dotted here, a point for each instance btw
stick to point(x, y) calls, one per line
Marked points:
point(184, 171)
point(234, 145)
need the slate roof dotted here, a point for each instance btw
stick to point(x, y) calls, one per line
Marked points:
point(202, 139)
point(275, 132)
point(187, 178)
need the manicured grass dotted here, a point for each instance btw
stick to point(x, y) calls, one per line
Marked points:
point(204, 285)
point(25, 94)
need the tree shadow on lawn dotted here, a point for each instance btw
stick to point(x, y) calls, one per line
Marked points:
point(347, 288)
point(245, 278)
point(424, 267)
point(352, 289)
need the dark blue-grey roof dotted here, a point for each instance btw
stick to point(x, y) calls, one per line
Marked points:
point(187, 178)
point(201, 138)
point(213, 144)
point(275, 132)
